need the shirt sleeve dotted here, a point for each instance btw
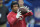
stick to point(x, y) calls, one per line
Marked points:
point(28, 14)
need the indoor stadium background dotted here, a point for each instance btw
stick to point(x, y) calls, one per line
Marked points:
point(34, 5)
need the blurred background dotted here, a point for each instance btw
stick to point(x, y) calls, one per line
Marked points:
point(34, 5)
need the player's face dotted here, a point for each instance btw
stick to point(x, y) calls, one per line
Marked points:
point(15, 7)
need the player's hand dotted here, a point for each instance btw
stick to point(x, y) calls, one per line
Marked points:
point(18, 14)
point(27, 8)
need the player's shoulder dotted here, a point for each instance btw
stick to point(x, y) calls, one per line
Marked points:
point(10, 13)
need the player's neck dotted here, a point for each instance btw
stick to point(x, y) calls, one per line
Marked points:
point(14, 11)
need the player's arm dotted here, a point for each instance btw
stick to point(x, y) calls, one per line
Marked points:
point(28, 14)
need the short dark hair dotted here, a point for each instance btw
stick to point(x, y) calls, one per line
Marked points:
point(13, 3)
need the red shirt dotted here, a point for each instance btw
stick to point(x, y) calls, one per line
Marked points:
point(14, 22)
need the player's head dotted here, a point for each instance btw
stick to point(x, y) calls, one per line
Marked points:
point(14, 6)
